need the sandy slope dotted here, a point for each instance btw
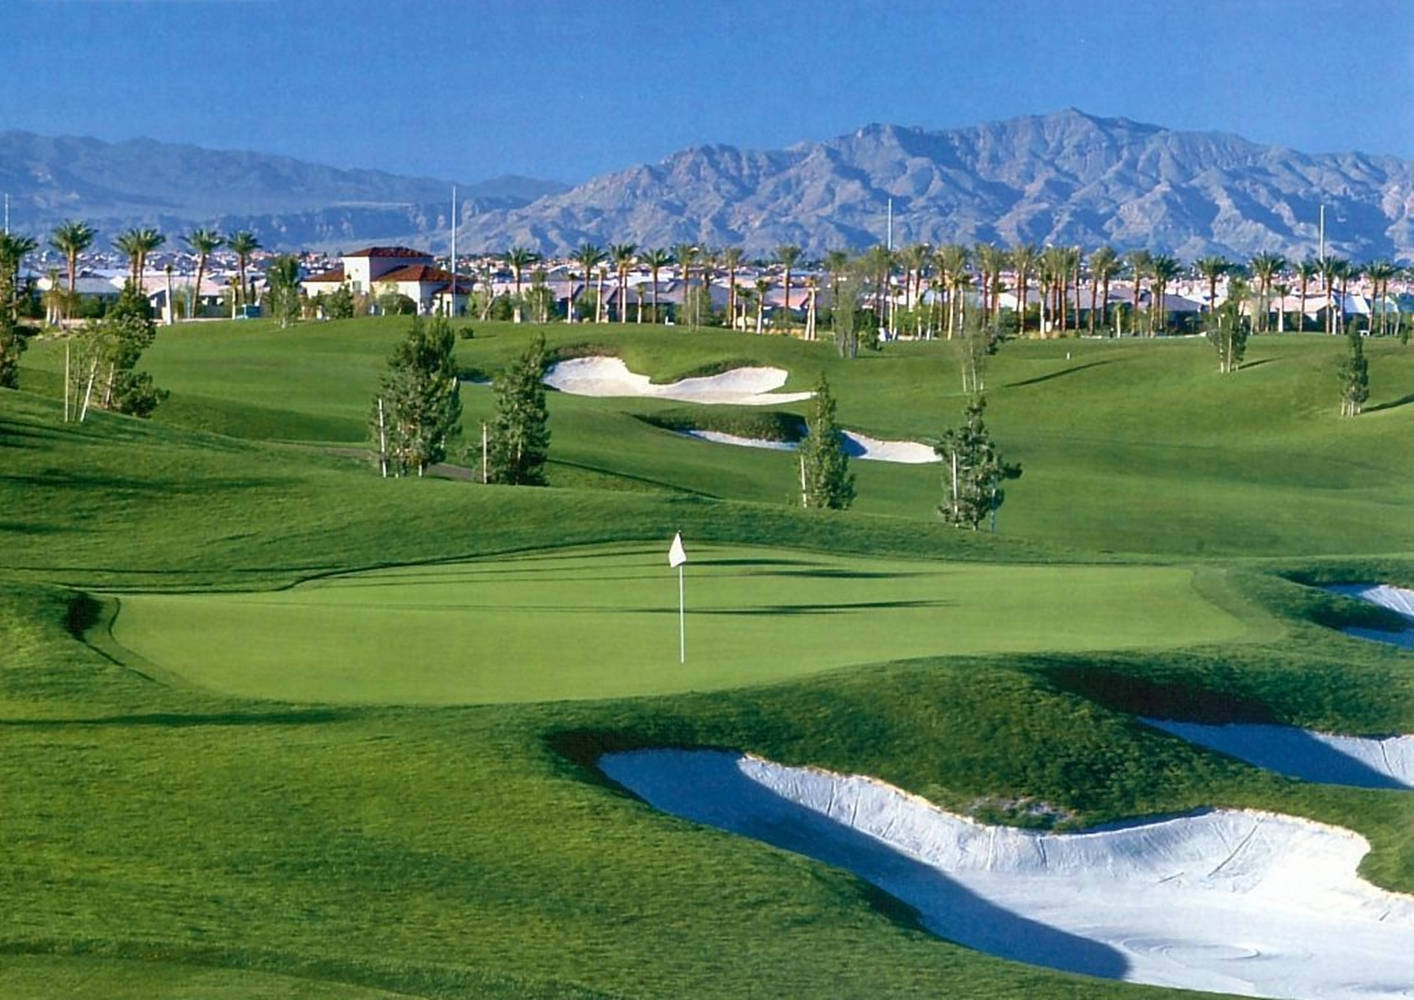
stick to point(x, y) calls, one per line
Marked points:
point(1396, 599)
point(1229, 901)
point(1303, 753)
point(856, 445)
point(601, 376)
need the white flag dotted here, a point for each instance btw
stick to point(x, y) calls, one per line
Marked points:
point(676, 555)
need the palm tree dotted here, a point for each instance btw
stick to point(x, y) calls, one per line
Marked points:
point(1139, 261)
point(519, 258)
point(1104, 264)
point(204, 242)
point(1379, 272)
point(1306, 270)
point(243, 244)
point(913, 258)
point(685, 254)
point(836, 263)
point(588, 256)
point(622, 254)
point(709, 266)
point(1211, 268)
point(788, 254)
point(747, 297)
point(763, 285)
point(991, 261)
point(1331, 270)
point(1265, 266)
point(656, 261)
point(951, 261)
point(731, 260)
point(1164, 268)
point(1282, 290)
point(1024, 258)
point(71, 239)
point(136, 244)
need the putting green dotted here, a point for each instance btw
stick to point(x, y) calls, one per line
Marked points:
point(603, 622)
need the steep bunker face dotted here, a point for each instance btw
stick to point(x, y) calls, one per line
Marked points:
point(1225, 901)
point(1396, 599)
point(1325, 758)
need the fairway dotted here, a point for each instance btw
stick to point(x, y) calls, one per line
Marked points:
point(602, 623)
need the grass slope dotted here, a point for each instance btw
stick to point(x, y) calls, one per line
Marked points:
point(163, 839)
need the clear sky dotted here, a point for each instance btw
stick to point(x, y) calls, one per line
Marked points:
point(469, 89)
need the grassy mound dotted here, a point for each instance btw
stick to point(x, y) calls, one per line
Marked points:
point(173, 826)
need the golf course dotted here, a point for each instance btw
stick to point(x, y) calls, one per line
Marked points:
point(272, 725)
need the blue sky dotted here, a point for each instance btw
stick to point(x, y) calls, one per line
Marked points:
point(466, 90)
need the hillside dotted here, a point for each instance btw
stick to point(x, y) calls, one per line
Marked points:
point(289, 203)
point(1062, 178)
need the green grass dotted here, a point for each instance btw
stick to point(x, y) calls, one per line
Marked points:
point(602, 623)
point(178, 823)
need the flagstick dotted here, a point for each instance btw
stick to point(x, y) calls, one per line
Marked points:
point(682, 621)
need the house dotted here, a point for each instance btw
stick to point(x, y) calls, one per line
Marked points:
point(401, 270)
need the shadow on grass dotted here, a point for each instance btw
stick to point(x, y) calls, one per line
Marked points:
point(20, 528)
point(178, 720)
point(1132, 695)
point(1393, 404)
point(1058, 374)
point(630, 477)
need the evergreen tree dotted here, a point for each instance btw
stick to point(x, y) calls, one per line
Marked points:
point(973, 471)
point(520, 433)
point(282, 290)
point(1354, 374)
point(12, 342)
point(826, 479)
point(420, 397)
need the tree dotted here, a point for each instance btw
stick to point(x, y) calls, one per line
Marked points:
point(204, 242)
point(136, 244)
point(418, 405)
point(1380, 273)
point(973, 470)
point(1227, 327)
point(1139, 263)
point(976, 341)
point(836, 264)
point(763, 285)
point(1354, 374)
point(340, 303)
point(589, 256)
point(1104, 266)
point(1163, 268)
point(12, 342)
point(243, 244)
point(1211, 268)
point(787, 254)
point(282, 291)
point(656, 261)
point(850, 280)
point(622, 254)
point(520, 434)
point(1265, 266)
point(71, 239)
point(1024, 259)
point(731, 260)
point(107, 354)
point(825, 479)
point(540, 298)
point(685, 254)
point(519, 259)
point(1306, 270)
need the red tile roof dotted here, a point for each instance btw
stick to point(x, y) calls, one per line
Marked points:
point(387, 252)
point(414, 272)
point(336, 276)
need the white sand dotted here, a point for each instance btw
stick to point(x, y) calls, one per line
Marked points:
point(856, 446)
point(1226, 901)
point(601, 376)
point(1396, 599)
point(1303, 753)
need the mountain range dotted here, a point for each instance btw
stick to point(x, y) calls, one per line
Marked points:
point(1064, 178)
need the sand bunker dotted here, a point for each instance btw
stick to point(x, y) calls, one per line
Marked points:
point(1225, 901)
point(601, 376)
point(856, 445)
point(1303, 753)
point(1396, 599)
